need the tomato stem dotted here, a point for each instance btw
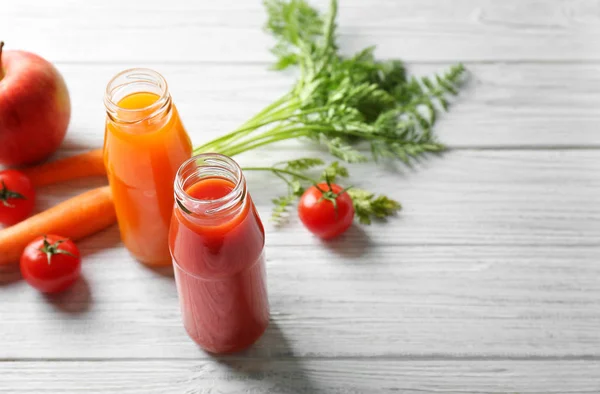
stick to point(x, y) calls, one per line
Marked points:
point(330, 195)
point(6, 194)
point(51, 249)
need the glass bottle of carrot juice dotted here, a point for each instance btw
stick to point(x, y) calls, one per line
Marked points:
point(144, 145)
point(217, 241)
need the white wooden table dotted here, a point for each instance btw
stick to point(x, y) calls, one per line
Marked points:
point(488, 281)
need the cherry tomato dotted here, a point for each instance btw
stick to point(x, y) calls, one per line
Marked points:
point(326, 210)
point(51, 263)
point(17, 197)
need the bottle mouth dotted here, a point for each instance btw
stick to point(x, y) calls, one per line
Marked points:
point(136, 80)
point(204, 166)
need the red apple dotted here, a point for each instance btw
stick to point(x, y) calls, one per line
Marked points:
point(34, 108)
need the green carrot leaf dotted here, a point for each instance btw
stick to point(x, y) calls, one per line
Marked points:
point(368, 206)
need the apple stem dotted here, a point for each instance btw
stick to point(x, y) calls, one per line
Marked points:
point(1, 71)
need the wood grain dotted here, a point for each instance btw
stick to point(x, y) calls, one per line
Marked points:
point(231, 31)
point(469, 198)
point(485, 283)
point(494, 254)
point(428, 301)
point(502, 198)
point(502, 106)
point(245, 376)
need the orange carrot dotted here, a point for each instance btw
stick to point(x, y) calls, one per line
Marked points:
point(75, 218)
point(79, 166)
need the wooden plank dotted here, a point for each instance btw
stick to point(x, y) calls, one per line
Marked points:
point(516, 106)
point(330, 301)
point(485, 283)
point(525, 105)
point(468, 198)
point(244, 376)
point(231, 30)
point(462, 198)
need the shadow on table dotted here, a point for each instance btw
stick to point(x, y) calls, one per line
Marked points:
point(106, 239)
point(10, 274)
point(270, 365)
point(75, 300)
point(72, 146)
point(353, 244)
point(65, 190)
point(166, 271)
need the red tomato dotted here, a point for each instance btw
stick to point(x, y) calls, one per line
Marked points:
point(321, 215)
point(51, 263)
point(17, 197)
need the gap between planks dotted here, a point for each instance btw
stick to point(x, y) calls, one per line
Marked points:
point(266, 64)
point(67, 150)
point(407, 357)
point(525, 148)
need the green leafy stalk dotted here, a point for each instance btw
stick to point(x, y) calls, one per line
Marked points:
point(368, 206)
point(297, 176)
point(342, 103)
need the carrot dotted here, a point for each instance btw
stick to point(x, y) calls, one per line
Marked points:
point(79, 166)
point(75, 218)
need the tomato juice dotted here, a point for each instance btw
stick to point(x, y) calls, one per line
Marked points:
point(217, 241)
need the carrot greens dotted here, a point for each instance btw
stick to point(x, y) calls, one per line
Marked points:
point(298, 176)
point(342, 103)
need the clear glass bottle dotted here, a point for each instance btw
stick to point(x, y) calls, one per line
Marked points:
point(217, 242)
point(145, 143)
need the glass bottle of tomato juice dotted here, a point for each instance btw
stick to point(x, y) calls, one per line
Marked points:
point(144, 145)
point(217, 241)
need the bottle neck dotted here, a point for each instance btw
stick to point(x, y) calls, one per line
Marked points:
point(136, 97)
point(210, 211)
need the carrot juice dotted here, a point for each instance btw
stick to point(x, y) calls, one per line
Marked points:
point(144, 145)
point(217, 241)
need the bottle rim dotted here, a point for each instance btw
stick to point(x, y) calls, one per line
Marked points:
point(209, 165)
point(129, 77)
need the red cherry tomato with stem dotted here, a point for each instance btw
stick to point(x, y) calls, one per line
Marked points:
point(51, 263)
point(326, 210)
point(17, 197)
